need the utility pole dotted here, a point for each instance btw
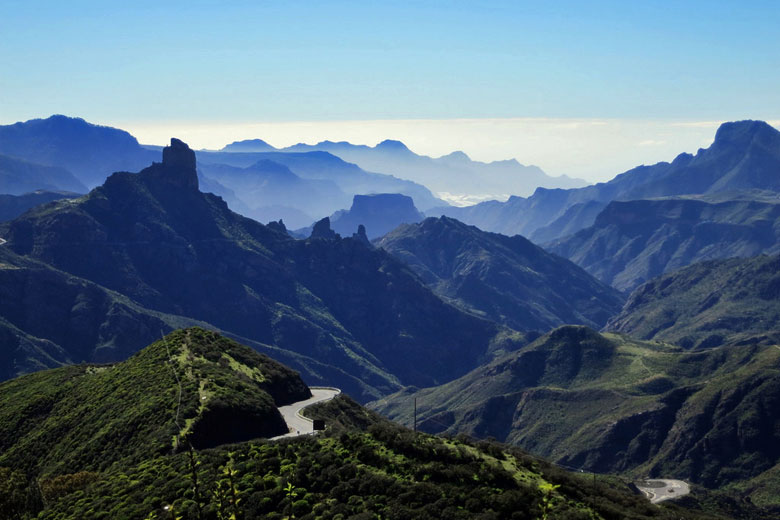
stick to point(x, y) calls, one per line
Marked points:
point(415, 414)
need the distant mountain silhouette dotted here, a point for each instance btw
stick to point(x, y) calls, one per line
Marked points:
point(338, 310)
point(18, 177)
point(90, 152)
point(745, 155)
point(324, 166)
point(634, 241)
point(454, 173)
point(506, 279)
point(379, 214)
point(266, 184)
point(249, 145)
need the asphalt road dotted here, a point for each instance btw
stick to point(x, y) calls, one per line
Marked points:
point(297, 423)
point(658, 490)
point(2, 241)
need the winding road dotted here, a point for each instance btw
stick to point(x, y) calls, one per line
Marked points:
point(296, 422)
point(658, 490)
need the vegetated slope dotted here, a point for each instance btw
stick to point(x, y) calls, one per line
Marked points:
point(191, 387)
point(378, 213)
point(506, 279)
point(358, 313)
point(376, 469)
point(11, 206)
point(632, 242)
point(606, 403)
point(90, 152)
point(18, 177)
point(744, 155)
point(735, 301)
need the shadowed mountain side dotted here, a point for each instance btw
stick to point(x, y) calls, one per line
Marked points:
point(744, 155)
point(378, 213)
point(90, 152)
point(707, 304)
point(632, 242)
point(18, 177)
point(11, 206)
point(607, 403)
point(506, 279)
point(155, 238)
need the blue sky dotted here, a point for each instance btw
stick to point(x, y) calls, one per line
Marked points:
point(153, 63)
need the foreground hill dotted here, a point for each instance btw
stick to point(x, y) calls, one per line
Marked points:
point(606, 403)
point(632, 242)
point(191, 387)
point(360, 315)
point(506, 279)
point(745, 155)
point(707, 304)
point(126, 441)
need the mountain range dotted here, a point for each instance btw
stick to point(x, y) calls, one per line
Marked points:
point(631, 242)
point(80, 155)
point(745, 155)
point(454, 174)
point(506, 279)
point(178, 430)
point(720, 302)
point(607, 403)
point(336, 309)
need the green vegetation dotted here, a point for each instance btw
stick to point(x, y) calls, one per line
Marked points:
point(384, 472)
point(722, 302)
point(606, 403)
point(177, 391)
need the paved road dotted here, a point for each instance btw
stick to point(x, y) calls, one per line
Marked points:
point(658, 490)
point(2, 241)
point(297, 423)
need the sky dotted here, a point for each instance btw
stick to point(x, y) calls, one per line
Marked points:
point(587, 89)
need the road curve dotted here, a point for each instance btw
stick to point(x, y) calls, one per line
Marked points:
point(297, 423)
point(658, 490)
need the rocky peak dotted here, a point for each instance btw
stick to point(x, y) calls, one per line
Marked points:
point(741, 133)
point(322, 229)
point(179, 165)
point(361, 235)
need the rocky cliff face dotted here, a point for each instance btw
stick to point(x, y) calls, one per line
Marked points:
point(379, 214)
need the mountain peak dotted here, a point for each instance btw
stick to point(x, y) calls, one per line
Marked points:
point(742, 132)
point(179, 165)
point(392, 145)
point(248, 145)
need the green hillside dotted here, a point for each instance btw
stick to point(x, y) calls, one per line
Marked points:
point(708, 304)
point(192, 386)
point(606, 403)
point(89, 442)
